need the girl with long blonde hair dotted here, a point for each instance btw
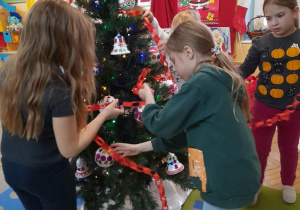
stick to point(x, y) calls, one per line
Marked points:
point(44, 90)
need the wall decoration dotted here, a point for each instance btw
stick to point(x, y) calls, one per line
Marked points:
point(222, 38)
point(208, 9)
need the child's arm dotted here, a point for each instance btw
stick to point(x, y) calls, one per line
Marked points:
point(132, 149)
point(70, 141)
point(146, 94)
point(147, 13)
point(252, 60)
point(144, 12)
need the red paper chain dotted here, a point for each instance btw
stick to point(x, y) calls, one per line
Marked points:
point(139, 168)
point(282, 116)
point(131, 104)
point(167, 73)
point(251, 85)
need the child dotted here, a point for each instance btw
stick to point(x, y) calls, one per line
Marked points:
point(178, 18)
point(44, 89)
point(277, 86)
point(207, 115)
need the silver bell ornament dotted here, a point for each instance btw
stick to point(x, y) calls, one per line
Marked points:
point(120, 46)
point(83, 170)
point(173, 165)
point(126, 4)
point(103, 158)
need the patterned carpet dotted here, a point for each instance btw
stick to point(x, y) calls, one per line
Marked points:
point(269, 199)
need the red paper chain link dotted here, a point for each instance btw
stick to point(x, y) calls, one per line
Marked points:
point(141, 78)
point(141, 169)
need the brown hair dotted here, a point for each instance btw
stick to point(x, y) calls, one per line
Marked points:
point(185, 16)
point(54, 35)
point(291, 4)
point(199, 37)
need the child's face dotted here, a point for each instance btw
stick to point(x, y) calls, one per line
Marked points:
point(181, 65)
point(280, 19)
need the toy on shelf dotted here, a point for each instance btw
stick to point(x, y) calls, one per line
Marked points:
point(14, 23)
point(10, 27)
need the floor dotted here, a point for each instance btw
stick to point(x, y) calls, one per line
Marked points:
point(272, 174)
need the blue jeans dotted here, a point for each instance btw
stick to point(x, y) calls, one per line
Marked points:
point(42, 188)
point(207, 206)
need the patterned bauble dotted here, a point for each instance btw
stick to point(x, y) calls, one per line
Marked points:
point(83, 170)
point(126, 4)
point(155, 57)
point(103, 158)
point(173, 165)
point(138, 114)
point(108, 99)
point(173, 88)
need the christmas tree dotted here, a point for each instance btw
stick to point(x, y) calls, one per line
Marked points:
point(123, 51)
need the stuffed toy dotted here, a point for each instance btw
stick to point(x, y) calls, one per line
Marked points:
point(14, 24)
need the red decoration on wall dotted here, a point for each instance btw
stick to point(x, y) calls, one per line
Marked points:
point(226, 13)
point(208, 9)
point(164, 11)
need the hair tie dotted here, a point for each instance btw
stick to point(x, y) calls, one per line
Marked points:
point(216, 50)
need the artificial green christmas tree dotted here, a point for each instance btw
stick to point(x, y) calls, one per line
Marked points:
point(122, 50)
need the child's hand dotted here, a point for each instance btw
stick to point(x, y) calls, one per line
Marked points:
point(145, 92)
point(126, 149)
point(161, 47)
point(112, 111)
point(144, 12)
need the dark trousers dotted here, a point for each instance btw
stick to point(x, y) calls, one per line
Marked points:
point(42, 188)
point(288, 140)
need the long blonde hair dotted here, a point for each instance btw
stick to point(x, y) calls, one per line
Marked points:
point(199, 37)
point(54, 35)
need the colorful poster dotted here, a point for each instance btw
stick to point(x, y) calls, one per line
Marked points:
point(208, 9)
point(222, 38)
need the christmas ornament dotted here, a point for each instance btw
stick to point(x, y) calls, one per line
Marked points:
point(239, 22)
point(83, 169)
point(173, 165)
point(173, 88)
point(96, 69)
point(120, 46)
point(126, 4)
point(155, 57)
point(138, 114)
point(103, 158)
point(108, 99)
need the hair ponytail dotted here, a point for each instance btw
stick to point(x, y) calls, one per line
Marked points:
point(199, 36)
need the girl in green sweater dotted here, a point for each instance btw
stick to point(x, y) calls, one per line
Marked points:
point(207, 116)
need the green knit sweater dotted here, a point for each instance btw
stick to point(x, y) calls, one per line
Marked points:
point(201, 116)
